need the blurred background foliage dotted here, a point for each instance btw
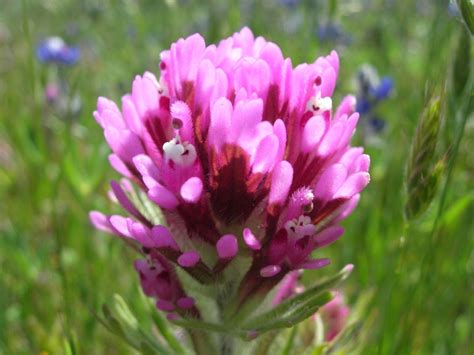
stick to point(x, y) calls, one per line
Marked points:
point(56, 271)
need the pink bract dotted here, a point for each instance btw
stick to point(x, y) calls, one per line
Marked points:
point(243, 153)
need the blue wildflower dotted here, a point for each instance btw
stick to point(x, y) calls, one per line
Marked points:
point(370, 92)
point(333, 32)
point(289, 3)
point(55, 50)
point(383, 89)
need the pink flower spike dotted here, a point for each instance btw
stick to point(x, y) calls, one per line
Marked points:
point(166, 306)
point(227, 246)
point(270, 270)
point(186, 302)
point(189, 259)
point(315, 264)
point(249, 239)
point(230, 138)
point(191, 190)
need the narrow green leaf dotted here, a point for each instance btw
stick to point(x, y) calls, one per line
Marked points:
point(296, 301)
point(201, 325)
point(297, 315)
point(162, 326)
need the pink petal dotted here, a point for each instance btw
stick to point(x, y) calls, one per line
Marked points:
point(189, 259)
point(353, 185)
point(221, 114)
point(250, 239)
point(328, 236)
point(140, 233)
point(119, 165)
point(270, 270)
point(330, 181)
point(279, 130)
point(266, 154)
point(186, 302)
point(101, 221)
point(121, 225)
point(162, 238)
point(163, 197)
point(227, 246)
point(191, 190)
point(347, 107)
point(312, 133)
point(165, 306)
point(315, 264)
point(281, 182)
point(124, 200)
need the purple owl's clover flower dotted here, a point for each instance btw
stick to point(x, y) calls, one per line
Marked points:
point(244, 155)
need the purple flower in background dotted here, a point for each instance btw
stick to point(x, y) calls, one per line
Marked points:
point(245, 157)
point(289, 3)
point(333, 33)
point(334, 315)
point(55, 50)
point(371, 90)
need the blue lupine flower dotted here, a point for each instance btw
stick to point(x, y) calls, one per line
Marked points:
point(289, 3)
point(377, 124)
point(332, 32)
point(55, 50)
point(383, 89)
point(371, 91)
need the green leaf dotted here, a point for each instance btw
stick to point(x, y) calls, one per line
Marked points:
point(204, 326)
point(286, 306)
point(452, 215)
point(120, 320)
point(162, 326)
point(295, 316)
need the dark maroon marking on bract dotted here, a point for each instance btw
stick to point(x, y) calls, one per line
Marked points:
point(234, 194)
point(157, 132)
point(306, 176)
point(187, 93)
point(199, 221)
point(327, 210)
point(270, 112)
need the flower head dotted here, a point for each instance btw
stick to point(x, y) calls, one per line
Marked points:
point(245, 156)
point(55, 50)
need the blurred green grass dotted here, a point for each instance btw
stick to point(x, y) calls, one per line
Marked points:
point(56, 270)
